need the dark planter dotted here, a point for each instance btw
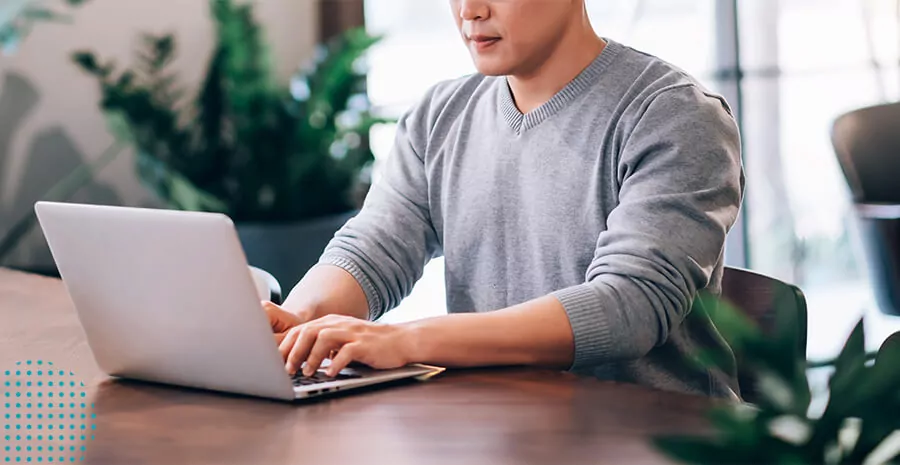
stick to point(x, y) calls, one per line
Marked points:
point(288, 250)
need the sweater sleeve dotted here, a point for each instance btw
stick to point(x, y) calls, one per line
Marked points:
point(386, 245)
point(681, 186)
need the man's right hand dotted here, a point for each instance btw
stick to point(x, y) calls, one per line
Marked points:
point(324, 290)
point(281, 320)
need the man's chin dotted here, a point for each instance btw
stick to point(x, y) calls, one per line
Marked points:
point(492, 67)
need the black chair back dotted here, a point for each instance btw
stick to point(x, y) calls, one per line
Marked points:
point(867, 145)
point(759, 296)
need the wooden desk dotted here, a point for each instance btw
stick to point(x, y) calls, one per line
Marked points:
point(469, 417)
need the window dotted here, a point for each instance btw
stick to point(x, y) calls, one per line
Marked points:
point(804, 62)
point(819, 59)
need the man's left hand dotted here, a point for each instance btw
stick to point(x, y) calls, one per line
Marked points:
point(281, 320)
point(344, 339)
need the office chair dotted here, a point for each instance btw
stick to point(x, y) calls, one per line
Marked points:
point(266, 284)
point(761, 297)
point(867, 145)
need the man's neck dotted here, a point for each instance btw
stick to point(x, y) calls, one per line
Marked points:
point(571, 56)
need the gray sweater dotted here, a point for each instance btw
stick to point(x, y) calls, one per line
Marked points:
point(615, 197)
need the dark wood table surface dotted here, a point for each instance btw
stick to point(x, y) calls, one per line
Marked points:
point(501, 416)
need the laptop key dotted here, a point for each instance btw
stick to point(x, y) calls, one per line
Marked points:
point(320, 377)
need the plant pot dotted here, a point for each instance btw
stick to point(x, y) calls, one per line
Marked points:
point(288, 250)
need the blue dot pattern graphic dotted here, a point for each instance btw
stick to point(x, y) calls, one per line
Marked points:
point(45, 415)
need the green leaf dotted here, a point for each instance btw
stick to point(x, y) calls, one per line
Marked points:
point(737, 425)
point(211, 163)
point(174, 188)
point(10, 37)
point(118, 125)
point(11, 9)
point(43, 14)
point(88, 62)
point(886, 452)
point(786, 339)
point(889, 352)
point(778, 393)
point(847, 369)
point(697, 451)
point(157, 52)
point(733, 324)
point(883, 378)
point(876, 393)
point(844, 398)
point(186, 196)
point(165, 46)
point(126, 80)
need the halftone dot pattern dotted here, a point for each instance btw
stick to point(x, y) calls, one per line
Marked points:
point(44, 415)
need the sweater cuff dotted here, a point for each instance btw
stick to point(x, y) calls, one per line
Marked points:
point(372, 298)
point(590, 326)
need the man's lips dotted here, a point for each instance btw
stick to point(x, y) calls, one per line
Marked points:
point(483, 42)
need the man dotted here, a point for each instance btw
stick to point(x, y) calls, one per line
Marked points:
point(580, 192)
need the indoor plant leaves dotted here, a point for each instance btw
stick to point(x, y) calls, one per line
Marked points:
point(244, 144)
point(860, 423)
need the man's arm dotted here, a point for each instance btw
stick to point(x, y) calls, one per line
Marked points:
point(681, 190)
point(375, 259)
point(327, 290)
point(535, 333)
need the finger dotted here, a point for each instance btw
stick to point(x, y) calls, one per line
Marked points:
point(279, 337)
point(278, 318)
point(329, 340)
point(271, 312)
point(288, 342)
point(301, 347)
point(347, 354)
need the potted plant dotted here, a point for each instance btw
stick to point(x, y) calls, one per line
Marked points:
point(288, 163)
point(855, 419)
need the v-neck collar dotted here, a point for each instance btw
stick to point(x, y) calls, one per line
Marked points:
point(520, 122)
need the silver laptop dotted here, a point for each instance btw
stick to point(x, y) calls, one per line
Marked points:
point(168, 297)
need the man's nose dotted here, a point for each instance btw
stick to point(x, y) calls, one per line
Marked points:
point(474, 10)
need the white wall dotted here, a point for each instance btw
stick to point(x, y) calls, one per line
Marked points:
point(49, 117)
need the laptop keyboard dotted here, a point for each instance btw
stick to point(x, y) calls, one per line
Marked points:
point(320, 377)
